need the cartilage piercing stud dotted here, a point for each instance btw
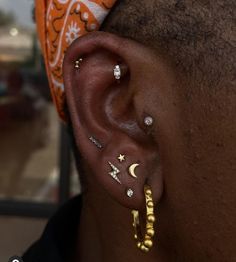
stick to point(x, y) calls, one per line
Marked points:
point(117, 72)
point(148, 121)
point(78, 63)
point(130, 192)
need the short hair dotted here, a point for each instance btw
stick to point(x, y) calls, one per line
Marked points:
point(196, 36)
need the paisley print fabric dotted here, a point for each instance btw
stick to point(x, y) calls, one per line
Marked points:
point(59, 23)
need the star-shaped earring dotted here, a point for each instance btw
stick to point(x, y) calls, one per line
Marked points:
point(121, 158)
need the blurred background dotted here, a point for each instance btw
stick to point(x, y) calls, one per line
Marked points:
point(36, 167)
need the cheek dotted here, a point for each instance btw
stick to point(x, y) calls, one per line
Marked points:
point(199, 162)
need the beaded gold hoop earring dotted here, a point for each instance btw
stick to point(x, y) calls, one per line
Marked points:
point(146, 243)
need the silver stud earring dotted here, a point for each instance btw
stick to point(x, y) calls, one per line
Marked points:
point(117, 72)
point(96, 142)
point(130, 192)
point(148, 121)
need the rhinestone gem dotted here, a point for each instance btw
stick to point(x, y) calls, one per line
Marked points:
point(130, 192)
point(148, 121)
point(117, 72)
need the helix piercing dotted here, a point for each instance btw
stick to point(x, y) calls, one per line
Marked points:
point(96, 142)
point(148, 121)
point(117, 72)
point(78, 63)
point(145, 243)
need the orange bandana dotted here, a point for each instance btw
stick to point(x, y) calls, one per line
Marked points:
point(59, 23)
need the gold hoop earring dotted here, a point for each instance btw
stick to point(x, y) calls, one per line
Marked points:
point(146, 243)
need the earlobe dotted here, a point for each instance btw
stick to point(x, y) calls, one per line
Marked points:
point(104, 118)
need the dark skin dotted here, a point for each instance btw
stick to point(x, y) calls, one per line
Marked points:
point(188, 156)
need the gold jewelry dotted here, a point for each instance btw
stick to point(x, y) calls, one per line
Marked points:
point(121, 158)
point(129, 192)
point(132, 170)
point(146, 243)
point(115, 171)
point(78, 63)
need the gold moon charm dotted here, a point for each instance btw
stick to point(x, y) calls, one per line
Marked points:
point(132, 170)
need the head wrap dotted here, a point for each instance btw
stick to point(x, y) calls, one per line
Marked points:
point(59, 23)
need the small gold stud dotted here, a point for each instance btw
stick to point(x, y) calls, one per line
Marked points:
point(78, 63)
point(121, 158)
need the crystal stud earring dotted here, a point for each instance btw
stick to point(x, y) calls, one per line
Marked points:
point(117, 72)
point(130, 192)
point(148, 121)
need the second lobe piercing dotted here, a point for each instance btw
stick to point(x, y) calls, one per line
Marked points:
point(115, 171)
point(78, 63)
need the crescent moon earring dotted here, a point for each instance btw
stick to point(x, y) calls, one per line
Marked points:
point(132, 170)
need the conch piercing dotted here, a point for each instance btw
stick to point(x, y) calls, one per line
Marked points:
point(132, 170)
point(96, 142)
point(117, 72)
point(148, 121)
point(115, 171)
point(78, 63)
point(145, 243)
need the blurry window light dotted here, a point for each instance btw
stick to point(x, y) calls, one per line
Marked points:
point(14, 31)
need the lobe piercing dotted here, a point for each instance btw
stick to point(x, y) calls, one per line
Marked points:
point(78, 63)
point(148, 121)
point(115, 171)
point(132, 170)
point(95, 142)
point(130, 192)
point(117, 72)
point(121, 158)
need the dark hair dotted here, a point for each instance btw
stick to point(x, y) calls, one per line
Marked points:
point(197, 37)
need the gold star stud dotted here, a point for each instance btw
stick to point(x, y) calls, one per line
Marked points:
point(121, 158)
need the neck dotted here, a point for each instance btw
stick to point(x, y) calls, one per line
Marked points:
point(106, 233)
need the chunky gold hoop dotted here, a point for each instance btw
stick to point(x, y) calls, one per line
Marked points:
point(146, 243)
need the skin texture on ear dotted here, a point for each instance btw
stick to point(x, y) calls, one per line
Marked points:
point(187, 156)
point(113, 113)
point(107, 110)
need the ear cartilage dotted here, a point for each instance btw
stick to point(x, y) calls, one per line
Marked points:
point(132, 170)
point(117, 72)
point(78, 63)
point(115, 171)
point(148, 121)
point(129, 192)
point(121, 158)
point(95, 142)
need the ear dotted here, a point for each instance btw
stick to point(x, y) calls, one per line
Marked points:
point(108, 116)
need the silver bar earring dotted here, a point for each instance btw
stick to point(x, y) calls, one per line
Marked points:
point(96, 142)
